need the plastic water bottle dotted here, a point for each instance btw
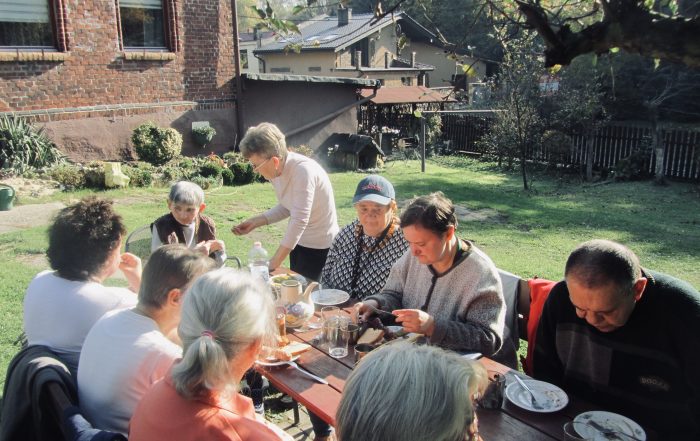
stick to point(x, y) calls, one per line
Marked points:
point(258, 262)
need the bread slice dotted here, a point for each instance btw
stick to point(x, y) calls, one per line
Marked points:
point(371, 336)
point(290, 351)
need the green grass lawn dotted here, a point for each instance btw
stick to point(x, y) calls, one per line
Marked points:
point(527, 233)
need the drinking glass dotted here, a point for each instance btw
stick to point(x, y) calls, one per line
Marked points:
point(337, 337)
point(316, 321)
point(493, 395)
point(571, 434)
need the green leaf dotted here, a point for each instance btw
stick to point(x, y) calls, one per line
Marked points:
point(657, 61)
point(673, 7)
point(594, 60)
point(614, 50)
point(648, 4)
point(554, 69)
point(297, 9)
point(418, 114)
point(260, 12)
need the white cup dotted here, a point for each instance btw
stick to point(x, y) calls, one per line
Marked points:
point(337, 334)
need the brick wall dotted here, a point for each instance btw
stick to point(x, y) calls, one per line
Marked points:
point(96, 79)
point(95, 72)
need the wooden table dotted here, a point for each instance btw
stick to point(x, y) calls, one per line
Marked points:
point(505, 424)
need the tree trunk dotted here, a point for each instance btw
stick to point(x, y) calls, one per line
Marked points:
point(523, 170)
point(589, 157)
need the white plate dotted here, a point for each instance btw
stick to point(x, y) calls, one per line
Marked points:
point(279, 278)
point(607, 420)
point(275, 362)
point(549, 396)
point(329, 297)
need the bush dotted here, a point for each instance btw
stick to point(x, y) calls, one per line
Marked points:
point(70, 176)
point(210, 169)
point(172, 174)
point(203, 135)
point(635, 167)
point(206, 183)
point(156, 145)
point(243, 173)
point(139, 175)
point(304, 150)
point(22, 147)
point(94, 173)
point(227, 176)
point(233, 157)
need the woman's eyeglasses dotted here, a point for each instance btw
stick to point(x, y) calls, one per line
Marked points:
point(257, 167)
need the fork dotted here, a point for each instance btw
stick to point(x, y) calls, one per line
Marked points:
point(304, 371)
point(379, 311)
point(533, 400)
point(609, 433)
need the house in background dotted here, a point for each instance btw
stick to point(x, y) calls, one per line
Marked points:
point(90, 71)
point(248, 42)
point(396, 50)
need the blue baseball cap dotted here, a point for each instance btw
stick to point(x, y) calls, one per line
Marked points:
point(374, 188)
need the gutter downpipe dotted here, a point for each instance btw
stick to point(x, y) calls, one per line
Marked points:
point(334, 114)
point(237, 75)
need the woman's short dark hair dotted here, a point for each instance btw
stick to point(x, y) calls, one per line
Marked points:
point(82, 237)
point(433, 212)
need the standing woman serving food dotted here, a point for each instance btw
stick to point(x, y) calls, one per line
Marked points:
point(304, 194)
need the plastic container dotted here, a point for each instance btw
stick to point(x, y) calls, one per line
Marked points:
point(258, 262)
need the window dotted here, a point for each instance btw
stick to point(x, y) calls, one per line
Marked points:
point(142, 24)
point(314, 68)
point(244, 59)
point(280, 69)
point(26, 24)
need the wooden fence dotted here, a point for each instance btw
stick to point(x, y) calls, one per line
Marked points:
point(611, 143)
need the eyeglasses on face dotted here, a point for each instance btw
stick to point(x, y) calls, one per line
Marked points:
point(257, 167)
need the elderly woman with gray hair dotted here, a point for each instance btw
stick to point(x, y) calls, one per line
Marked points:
point(226, 316)
point(304, 194)
point(404, 391)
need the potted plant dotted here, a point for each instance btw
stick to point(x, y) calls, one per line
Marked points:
point(203, 135)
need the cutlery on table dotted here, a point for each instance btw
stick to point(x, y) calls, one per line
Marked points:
point(304, 371)
point(379, 311)
point(533, 400)
point(610, 433)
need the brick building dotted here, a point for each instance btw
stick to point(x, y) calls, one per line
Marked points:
point(90, 71)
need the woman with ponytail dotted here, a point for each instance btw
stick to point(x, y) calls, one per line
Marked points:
point(226, 318)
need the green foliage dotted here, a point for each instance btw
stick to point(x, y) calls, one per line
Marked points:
point(156, 145)
point(242, 173)
point(94, 175)
point(206, 183)
point(203, 135)
point(210, 169)
point(23, 148)
point(227, 176)
point(140, 175)
point(304, 150)
point(558, 146)
point(70, 176)
point(635, 167)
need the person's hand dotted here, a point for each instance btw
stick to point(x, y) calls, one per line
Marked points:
point(248, 225)
point(415, 320)
point(130, 266)
point(207, 247)
point(364, 310)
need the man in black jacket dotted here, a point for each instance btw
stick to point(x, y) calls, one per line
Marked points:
point(625, 338)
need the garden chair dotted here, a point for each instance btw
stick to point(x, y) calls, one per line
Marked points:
point(139, 243)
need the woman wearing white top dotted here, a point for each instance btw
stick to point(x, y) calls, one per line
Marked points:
point(60, 306)
point(304, 194)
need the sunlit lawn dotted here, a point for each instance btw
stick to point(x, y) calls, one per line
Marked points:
point(527, 233)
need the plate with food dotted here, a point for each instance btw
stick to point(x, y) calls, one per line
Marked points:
point(279, 278)
point(283, 355)
point(601, 426)
point(548, 397)
point(329, 297)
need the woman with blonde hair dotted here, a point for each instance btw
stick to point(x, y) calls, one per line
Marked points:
point(226, 317)
point(404, 391)
point(304, 195)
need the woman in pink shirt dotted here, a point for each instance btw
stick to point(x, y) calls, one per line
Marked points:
point(226, 316)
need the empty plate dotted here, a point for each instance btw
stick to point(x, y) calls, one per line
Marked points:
point(329, 297)
point(549, 397)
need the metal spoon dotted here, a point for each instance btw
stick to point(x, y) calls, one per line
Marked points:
point(297, 367)
point(533, 400)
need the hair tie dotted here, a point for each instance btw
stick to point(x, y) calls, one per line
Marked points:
point(207, 333)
